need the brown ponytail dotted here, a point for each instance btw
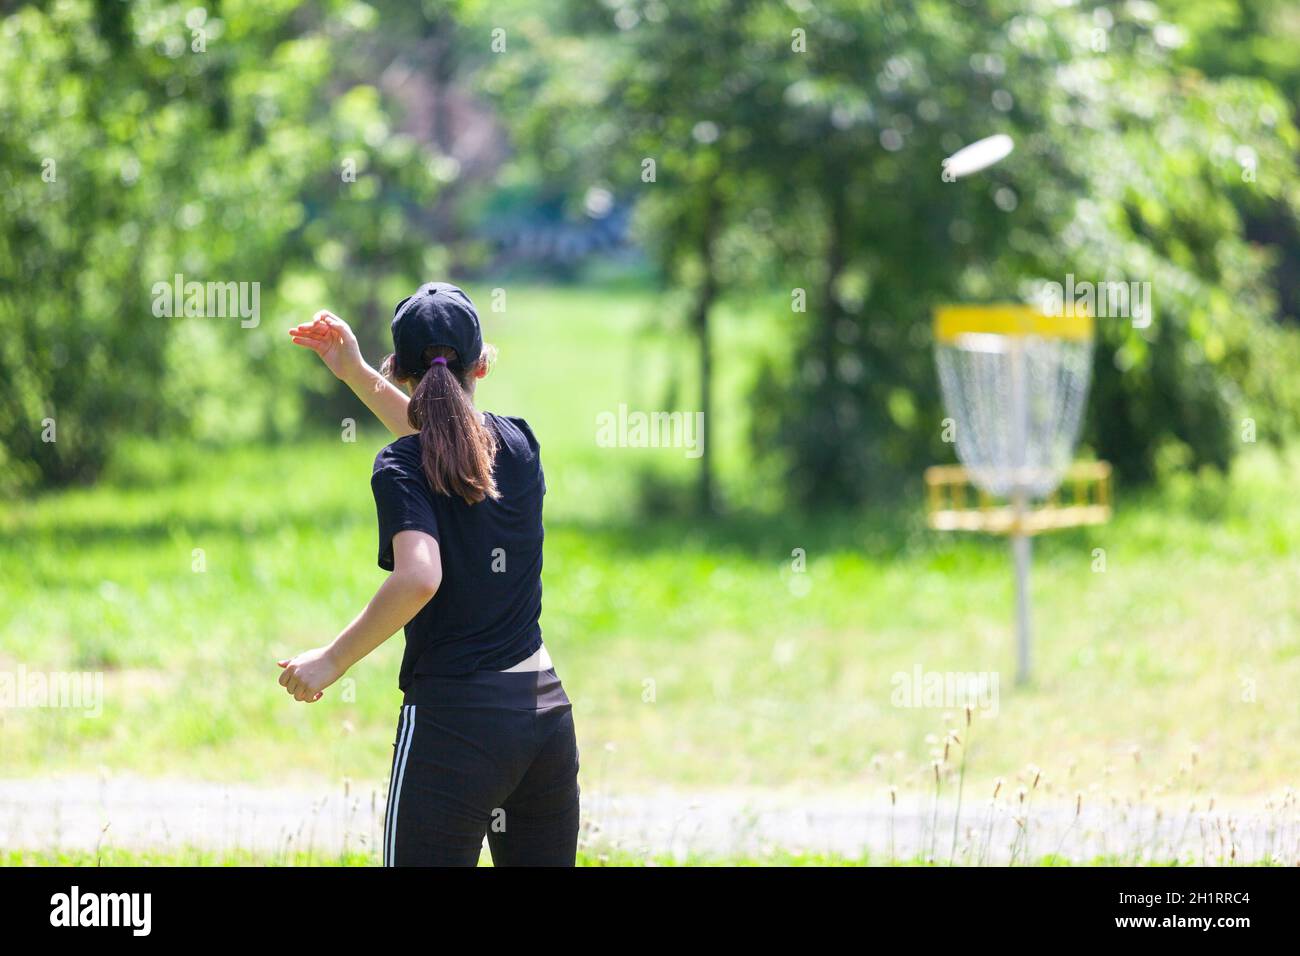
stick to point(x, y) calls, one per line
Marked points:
point(456, 448)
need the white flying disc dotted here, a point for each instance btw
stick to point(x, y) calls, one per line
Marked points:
point(980, 154)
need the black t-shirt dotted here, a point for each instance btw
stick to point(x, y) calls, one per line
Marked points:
point(485, 614)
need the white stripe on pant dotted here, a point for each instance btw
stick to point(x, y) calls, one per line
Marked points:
point(405, 731)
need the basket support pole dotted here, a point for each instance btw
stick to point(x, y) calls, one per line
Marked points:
point(1020, 546)
point(1020, 550)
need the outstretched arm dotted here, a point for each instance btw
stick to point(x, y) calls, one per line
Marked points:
point(417, 574)
point(329, 337)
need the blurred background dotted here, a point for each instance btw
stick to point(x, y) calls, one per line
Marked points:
point(720, 206)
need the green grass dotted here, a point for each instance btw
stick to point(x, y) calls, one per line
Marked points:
point(693, 655)
point(201, 857)
point(586, 858)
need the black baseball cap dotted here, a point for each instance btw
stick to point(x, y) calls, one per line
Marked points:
point(438, 313)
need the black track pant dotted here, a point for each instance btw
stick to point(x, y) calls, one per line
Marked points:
point(489, 753)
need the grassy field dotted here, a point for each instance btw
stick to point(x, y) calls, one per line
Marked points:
point(694, 655)
point(198, 857)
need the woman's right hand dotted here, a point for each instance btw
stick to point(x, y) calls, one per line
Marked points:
point(329, 337)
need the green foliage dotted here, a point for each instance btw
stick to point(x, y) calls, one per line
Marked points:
point(140, 141)
point(1126, 169)
point(1153, 145)
point(814, 133)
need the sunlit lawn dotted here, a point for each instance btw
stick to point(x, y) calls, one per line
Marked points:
point(586, 858)
point(694, 655)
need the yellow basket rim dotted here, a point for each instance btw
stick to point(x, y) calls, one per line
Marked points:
point(951, 322)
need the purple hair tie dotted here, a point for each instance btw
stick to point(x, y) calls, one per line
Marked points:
point(440, 361)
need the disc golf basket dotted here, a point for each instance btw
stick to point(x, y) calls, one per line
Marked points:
point(1015, 383)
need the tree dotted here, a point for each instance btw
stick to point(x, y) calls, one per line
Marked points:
point(660, 112)
point(810, 137)
point(1112, 180)
point(143, 141)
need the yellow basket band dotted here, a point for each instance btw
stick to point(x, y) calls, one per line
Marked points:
point(952, 321)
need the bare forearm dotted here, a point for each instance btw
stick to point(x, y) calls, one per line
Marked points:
point(386, 400)
point(397, 601)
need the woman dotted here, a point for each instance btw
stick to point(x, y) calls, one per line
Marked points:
point(485, 741)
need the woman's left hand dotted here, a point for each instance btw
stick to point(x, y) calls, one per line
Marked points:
point(307, 675)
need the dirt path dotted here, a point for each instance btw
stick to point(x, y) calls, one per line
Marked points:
point(136, 813)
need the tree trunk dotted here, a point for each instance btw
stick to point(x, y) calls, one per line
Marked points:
point(705, 297)
point(836, 239)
